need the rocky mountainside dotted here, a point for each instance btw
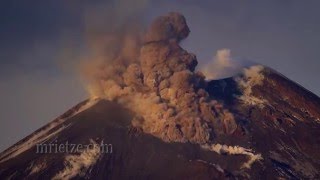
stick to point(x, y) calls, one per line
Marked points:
point(156, 117)
point(279, 119)
point(285, 135)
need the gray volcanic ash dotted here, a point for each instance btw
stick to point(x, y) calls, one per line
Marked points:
point(162, 88)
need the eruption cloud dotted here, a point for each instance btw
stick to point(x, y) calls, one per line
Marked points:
point(222, 66)
point(113, 39)
point(149, 73)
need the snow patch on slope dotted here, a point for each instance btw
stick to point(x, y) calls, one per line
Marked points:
point(89, 104)
point(79, 164)
point(234, 150)
point(32, 141)
point(252, 76)
point(43, 134)
point(289, 156)
point(36, 168)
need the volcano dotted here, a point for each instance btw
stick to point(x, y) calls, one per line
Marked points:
point(157, 118)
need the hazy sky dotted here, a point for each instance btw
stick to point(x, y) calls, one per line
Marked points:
point(40, 41)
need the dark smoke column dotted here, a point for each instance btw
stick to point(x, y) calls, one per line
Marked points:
point(169, 72)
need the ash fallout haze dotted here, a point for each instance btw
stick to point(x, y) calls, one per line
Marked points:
point(225, 89)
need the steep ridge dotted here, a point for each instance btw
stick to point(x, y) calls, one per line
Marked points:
point(134, 154)
point(285, 129)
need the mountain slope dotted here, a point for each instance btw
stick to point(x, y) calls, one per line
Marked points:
point(133, 153)
point(284, 128)
point(285, 135)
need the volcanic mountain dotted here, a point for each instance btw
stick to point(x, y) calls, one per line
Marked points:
point(158, 118)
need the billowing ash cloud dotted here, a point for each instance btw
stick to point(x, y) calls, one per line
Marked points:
point(114, 36)
point(222, 66)
point(155, 78)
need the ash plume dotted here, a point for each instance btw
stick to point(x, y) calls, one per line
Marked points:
point(113, 35)
point(152, 75)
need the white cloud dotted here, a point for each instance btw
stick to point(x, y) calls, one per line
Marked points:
point(234, 150)
point(222, 66)
point(252, 76)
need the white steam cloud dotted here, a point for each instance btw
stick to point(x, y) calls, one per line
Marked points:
point(252, 76)
point(222, 66)
point(234, 150)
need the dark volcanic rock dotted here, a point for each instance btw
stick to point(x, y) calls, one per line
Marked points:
point(285, 131)
point(135, 155)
